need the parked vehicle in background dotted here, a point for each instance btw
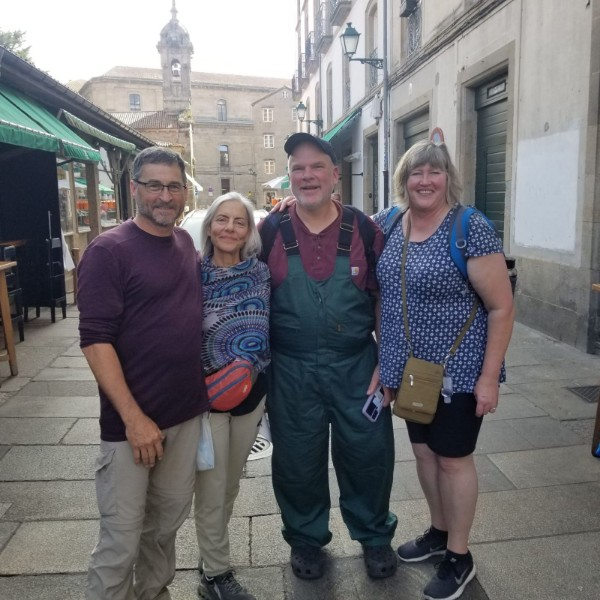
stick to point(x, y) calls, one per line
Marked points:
point(193, 220)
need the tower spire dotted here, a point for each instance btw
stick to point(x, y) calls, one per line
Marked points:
point(174, 12)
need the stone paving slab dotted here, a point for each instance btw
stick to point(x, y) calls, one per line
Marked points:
point(35, 548)
point(547, 467)
point(544, 432)
point(85, 431)
point(49, 500)
point(551, 372)
point(43, 406)
point(66, 374)
point(558, 402)
point(514, 406)
point(33, 430)
point(496, 436)
point(47, 463)
point(543, 568)
point(32, 359)
point(7, 528)
point(70, 362)
point(60, 388)
point(4, 506)
point(44, 587)
point(256, 498)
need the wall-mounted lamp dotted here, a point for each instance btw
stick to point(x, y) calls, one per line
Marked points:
point(301, 112)
point(349, 41)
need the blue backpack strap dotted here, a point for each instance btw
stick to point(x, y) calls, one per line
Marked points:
point(458, 234)
point(391, 221)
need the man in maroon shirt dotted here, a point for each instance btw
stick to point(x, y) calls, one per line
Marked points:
point(324, 310)
point(140, 306)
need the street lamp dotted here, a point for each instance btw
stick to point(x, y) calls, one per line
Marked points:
point(349, 41)
point(301, 112)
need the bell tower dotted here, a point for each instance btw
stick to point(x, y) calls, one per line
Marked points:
point(176, 52)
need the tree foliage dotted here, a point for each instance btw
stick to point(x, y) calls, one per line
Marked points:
point(15, 42)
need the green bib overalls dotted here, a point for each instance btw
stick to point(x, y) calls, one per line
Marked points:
point(323, 357)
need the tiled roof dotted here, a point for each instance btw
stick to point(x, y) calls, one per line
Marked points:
point(147, 120)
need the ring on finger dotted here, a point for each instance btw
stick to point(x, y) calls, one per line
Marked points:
point(492, 410)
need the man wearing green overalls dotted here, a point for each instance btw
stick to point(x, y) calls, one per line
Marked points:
point(324, 365)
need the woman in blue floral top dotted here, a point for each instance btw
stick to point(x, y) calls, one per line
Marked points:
point(439, 301)
point(236, 291)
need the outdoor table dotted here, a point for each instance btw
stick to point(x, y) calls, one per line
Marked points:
point(596, 435)
point(10, 353)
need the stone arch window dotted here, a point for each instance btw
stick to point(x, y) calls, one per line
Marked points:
point(176, 69)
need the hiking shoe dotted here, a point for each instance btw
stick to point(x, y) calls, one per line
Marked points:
point(426, 545)
point(307, 562)
point(381, 561)
point(451, 579)
point(222, 587)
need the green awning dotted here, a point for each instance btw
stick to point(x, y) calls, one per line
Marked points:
point(81, 182)
point(76, 122)
point(342, 125)
point(70, 145)
point(18, 129)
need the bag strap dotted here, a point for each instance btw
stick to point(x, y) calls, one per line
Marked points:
point(466, 326)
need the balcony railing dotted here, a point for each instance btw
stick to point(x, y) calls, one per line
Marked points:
point(339, 11)
point(324, 29)
point(310, 51)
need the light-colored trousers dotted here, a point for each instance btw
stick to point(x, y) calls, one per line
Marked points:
point(217, 489)
point(141, 510)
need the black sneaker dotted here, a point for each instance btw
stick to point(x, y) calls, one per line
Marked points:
point(222, 587)
point(426, 545)
point(451, 579)
point(380, 560)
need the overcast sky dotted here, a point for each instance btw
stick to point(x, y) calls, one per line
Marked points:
point(80, 40)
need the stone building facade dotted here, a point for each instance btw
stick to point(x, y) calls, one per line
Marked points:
point(230, 128)
point(513, 87)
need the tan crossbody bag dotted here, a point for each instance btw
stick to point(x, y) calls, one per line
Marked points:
point(418, 396)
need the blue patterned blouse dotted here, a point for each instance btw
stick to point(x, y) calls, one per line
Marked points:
point(235, 321)
point(439, 302)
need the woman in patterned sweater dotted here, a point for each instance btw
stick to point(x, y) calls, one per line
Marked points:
point(236, 294)
point(439, 301)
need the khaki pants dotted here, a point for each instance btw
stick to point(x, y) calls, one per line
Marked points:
point(141, 510)
point(217, 489)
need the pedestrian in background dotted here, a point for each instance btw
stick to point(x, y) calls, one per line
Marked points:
point(324, 365)
point(439, 301)
point(140, 304)
point(236, 294)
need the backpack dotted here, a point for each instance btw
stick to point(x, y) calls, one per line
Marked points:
point(270, 225)
point(457, 235)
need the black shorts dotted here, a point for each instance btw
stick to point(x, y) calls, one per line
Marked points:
point(454, 430)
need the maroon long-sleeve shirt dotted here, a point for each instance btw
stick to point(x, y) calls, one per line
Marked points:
point(142, 294)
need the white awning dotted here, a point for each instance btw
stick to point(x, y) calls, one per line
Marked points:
point(279, 183)
point(196, 185)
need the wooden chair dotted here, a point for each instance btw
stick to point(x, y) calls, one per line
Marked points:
point(15, 292)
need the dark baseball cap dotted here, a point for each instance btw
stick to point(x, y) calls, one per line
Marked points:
point(306, 138)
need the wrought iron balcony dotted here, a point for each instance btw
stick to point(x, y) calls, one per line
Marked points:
point(339, 11)
point(324, 29)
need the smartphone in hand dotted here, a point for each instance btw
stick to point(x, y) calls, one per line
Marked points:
point(373, 406)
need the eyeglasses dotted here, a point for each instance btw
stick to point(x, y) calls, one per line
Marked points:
point(156, 187)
